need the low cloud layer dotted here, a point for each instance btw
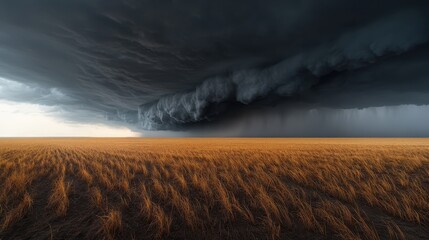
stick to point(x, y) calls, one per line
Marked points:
point(172, 65)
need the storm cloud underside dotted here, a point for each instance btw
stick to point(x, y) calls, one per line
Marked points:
point(174, 65)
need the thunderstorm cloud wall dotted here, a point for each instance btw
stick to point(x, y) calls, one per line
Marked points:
point(194, 65)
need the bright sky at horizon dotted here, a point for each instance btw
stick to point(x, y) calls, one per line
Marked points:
point(33, 120)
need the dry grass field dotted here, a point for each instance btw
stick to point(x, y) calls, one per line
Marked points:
point(214, 188)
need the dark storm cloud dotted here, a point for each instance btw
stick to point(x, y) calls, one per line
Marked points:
point(170, 64)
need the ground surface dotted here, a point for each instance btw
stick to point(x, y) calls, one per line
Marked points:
point(214, 188)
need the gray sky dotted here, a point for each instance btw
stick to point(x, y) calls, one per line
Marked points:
point(206, 68)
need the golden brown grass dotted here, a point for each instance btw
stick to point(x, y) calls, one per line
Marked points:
point(214, 188)
point(59, 198)
point(17, 212)
point(111, 224)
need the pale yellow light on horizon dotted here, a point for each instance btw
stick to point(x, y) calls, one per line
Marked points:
point(32, 120)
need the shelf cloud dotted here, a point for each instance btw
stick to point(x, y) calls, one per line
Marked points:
point(174, 65)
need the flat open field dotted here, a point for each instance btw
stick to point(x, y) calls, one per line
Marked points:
point(214, 188)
